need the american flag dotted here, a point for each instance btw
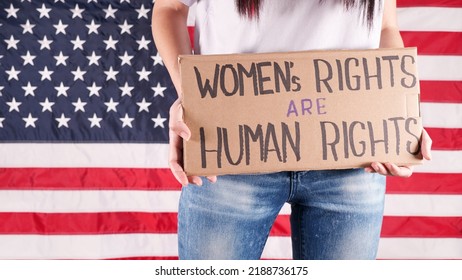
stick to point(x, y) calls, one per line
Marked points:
point(84, 99)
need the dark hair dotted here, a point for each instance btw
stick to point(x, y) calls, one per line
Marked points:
point(251, 8)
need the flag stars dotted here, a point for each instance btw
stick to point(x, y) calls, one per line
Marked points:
point(143, 43)
point(1, 122)
point(28, 59)
point(93, 59)
point(127, 121)
point(111, 74)
point(125, 27)
point(126, 59)
point(27, 27)
point(94, 89)
point(44, 11)
point(110, 12)
point(78, 74)
point(157, 59)
point(11, 11)
point(62, 90)
point(29, 89)
point(63, 121)
point(79, 105)
point(77, 12)
point(158, 90)
point(142, 12)
point(78, 43)
point(92, 27)
point(46, 74)
point(110, 43)
point(143, 105)
point(61, 59)
point(111, 105)
point(45, 43)
point(12, 43)
point(13, 74)
point(158, 121)
point(30, 121)
point(126, 89)
point(95, 121)
point(14, 105)
point(46, 105)
point(143, 74)
point(60, 27)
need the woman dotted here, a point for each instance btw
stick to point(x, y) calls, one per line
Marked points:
point(336, 214)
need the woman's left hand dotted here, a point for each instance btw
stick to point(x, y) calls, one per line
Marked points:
point(390, 169)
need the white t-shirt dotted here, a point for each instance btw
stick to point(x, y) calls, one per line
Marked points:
point(284, 25)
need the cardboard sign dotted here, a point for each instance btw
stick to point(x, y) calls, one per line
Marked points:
point(253, 113)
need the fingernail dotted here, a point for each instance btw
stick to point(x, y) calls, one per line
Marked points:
point(184, 135)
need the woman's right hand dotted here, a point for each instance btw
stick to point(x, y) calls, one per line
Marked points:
point(178, 130)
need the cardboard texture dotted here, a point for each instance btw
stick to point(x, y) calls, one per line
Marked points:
point(255, 113)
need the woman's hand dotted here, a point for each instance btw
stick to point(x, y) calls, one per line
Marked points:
point(178, 130)
point(390, 169)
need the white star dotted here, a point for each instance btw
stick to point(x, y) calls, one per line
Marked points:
point(89, 1)
point(29, 89)
point(125, 27)
point(12, 11)
point(111, 105)
point(78, 74)
point(110, 12)
point(143, 43)
point(1, 121)
point(94, 90)
point(110, 43)
point(111, 74)
point(126, 58)
point(14, 105)
point(79, 105)
point(143, 105)
point(1, 88)
point(144, 74)
point(27, 27)
point(62, 90)
point(95, 121)
point(30, 121)
point(121, 1)
point(158, 121)
point(77, 12)
point(157, 59)
point(93, 27)
point(62, 1)
point(46, 105)
point(63, 121)
point(126, 89)
point(158, 90)
point(45, 43)
point(61, 59)
point(44, 11)
point(12, 43)
point(28, 58)
point(13, 74)
point(78, 44)
point(142, 12)
point(127, 121)
point(93, 59)
point(46, 74)
point(60, 27)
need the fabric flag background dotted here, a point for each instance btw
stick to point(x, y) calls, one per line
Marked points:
point(84, 100)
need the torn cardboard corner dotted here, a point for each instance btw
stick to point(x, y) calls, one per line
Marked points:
point(253, 113)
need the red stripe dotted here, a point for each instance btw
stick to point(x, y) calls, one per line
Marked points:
point(441, 91)
point(146, 258)
point(87, 179)
point(434, 43)
point(191, 35)
point(428, 3)
point(441, 227)
point(281, 226)
point(426, 183)
point(87, 223)
point(445, 138)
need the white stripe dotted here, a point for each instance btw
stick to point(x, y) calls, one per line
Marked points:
point(440, 68)
point(84, 155)
point(278, 248)
point(77, 201)
point(423, 205)
point(442, 162)
point(192, 15)
point(420, 248)
point(87, 246)
point(430, 19)
point(441, 115)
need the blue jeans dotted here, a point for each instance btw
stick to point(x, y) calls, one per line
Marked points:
point(336, 214)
